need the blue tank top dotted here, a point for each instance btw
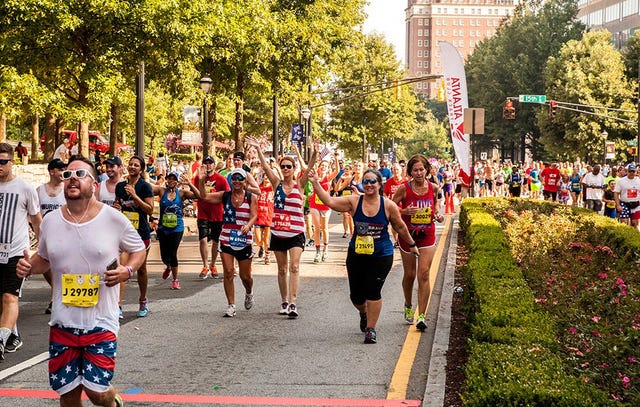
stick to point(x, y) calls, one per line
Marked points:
point(371, 235)
point(170, 214)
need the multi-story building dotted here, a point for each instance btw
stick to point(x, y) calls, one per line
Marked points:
point(620, 17)
point(463, 23)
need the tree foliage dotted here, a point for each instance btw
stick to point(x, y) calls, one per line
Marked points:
point(589, 71)
point(512, 62)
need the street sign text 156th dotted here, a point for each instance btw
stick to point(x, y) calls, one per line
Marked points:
point(532, 98)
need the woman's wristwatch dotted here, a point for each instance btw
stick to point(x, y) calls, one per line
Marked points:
point(412, 245)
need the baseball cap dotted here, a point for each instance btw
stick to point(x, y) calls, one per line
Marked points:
point(239, 171)
point(115, 160)
point(173, 174)
point(631, 167)
point(239, 155)
point(56, 163)
point(208, 159)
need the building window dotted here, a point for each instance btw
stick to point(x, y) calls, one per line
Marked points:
point(426, 21)
point(438, 33)
point(426, 43)
point(437, 64)
point(426, 53)
point(419, 43)
point(420, 33)
point(438, 22)
point(419, 86)
point(472, 23)
point(426, 33)
point(461, 33)
point(444, 32)
point(420, 21)
point(461, 23)
point(426, 64)
point(419, 53)
point(419, 64)
point(455, 22)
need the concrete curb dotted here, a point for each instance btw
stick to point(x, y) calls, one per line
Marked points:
point(437, 375)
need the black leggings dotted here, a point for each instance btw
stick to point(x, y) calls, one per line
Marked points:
point(366, 276)
point(169, 247)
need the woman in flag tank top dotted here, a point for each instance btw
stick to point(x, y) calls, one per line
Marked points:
point(240, 212)
point(419, 201)
point(287, 226)
point(370, 253)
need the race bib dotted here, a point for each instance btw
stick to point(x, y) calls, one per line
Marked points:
point(5, 249)
point(346, 192)
point(632, 193)
point(134, 218)
point(422, 217)
point(515, 184)
point(169, 220)
point(575, 185)
point(236, 239)
point(281, 221)
point(364, 244)
point(80, 290)
point(611, 205)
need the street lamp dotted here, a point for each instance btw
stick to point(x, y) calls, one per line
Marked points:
point(604, 137)
point(306, 115)
point(205, 85)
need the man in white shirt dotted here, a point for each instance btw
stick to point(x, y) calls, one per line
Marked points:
point(62, 152)
point(18, 207)
point(86, 278)
point(627, 196)
point(594, 183)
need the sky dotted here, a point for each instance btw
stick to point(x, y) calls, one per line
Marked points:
point(387, 17)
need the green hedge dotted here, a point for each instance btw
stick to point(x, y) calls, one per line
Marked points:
point(512, 359)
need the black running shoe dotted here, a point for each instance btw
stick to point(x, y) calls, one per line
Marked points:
point(363, 322)
point(13, 343)
point(370, 336)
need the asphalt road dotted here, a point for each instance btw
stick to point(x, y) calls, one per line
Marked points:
point(185, 353)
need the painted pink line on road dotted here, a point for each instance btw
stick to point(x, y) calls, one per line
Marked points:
point(226, 400)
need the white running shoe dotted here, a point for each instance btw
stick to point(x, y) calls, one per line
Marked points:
point(231, 311)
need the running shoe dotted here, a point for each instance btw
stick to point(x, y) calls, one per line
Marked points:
point(119, 401)
point(203, 273)
point(175, 285)
point(311, 243)
point(143, 311)
point(363, 321)
point(13, 343)
point(230, 312)
point(408, 314)
point(120, 313)
point(266, 258)
point(370, 336)
point(345, 235)
point(421, 325)
point(292, 311)
point(284, 308)
point(260, 252)
point(317, 258)
point(1, 350)
point(48, 309)
point(248, 301)
point(214, 272)
point(324, 255)
point(166, 273)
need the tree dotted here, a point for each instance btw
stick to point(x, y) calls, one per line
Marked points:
point(589, 72)
point(512, 63)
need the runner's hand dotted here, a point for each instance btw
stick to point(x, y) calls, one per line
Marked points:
point(23, 268)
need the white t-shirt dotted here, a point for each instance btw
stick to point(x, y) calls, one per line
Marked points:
point(18, 199)
point(62, 152)
point(596, 180)
point(87, 248)
point(629, 189)
point(49, 203)
point(106, 197)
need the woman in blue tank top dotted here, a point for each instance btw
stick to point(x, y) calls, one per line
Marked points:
point(370, 254)
point(171, 224)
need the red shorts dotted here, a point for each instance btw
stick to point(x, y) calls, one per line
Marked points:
point(423, 238)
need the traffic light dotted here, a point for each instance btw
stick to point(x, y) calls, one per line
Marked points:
point(553, 105)
point(441, 93)
point(508, 112)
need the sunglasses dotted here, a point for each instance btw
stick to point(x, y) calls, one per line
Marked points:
point(369, 181)
point(4, 161)
point(286, 166)
point(237, 178)
point(79, 174)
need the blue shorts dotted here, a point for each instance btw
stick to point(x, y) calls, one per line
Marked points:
point(81, 357)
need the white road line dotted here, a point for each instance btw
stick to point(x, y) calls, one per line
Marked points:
point(24, 365)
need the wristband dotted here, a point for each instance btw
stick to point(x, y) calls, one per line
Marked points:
point(130, 269)
point(411, 246)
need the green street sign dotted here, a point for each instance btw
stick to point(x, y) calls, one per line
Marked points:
point(631, 143)
point(532, 98)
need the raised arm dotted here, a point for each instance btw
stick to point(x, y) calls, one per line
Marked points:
point(275, 180)
point(312, 162)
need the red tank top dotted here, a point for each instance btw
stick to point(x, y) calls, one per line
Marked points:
point(423, 219)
